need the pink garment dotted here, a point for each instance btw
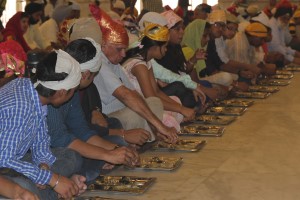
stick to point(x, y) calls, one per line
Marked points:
point(170, 119)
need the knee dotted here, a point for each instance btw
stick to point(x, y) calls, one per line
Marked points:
point(156, 106)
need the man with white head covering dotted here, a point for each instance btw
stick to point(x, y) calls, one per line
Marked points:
point(68, 126)
point(281, 37)
point(23, 126)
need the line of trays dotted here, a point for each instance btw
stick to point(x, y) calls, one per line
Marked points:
point(210, 124)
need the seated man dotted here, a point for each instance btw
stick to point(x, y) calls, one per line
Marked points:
point(68, 126)
point(23, 126)
point(281, 37)
point(118, 98)
point(251, 39)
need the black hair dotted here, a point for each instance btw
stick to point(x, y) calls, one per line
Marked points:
point(2, 74)
point(24, 15)
point(146, 43)
point(175, 25)
point(33, 7)
point(81, 50)
point(45, 71)
point(283, 11)
point(207, 25)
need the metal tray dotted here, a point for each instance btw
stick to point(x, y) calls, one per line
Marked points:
point(261, 88)
point(284, 72)
point(292, 67)
point(121, 184)
point(191, 145)
point(214, 120)
point(235, 111)
point(95, 198)
point(236, 103)
point(201, 130)
point(273, 82)
point(282, 76)
point(159, 163)
point(252, 95)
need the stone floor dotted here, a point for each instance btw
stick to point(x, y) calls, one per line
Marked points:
point(257, 158)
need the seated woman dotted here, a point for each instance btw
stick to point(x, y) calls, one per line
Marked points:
point(175, 61)
point(16, 28)
point(140, 73)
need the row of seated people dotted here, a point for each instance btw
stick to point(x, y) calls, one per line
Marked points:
point(73, 135)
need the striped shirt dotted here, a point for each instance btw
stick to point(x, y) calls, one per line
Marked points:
point(22, 127)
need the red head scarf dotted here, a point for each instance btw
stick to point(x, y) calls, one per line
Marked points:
point(13, 28)
point(112, 31)
point(12, 58)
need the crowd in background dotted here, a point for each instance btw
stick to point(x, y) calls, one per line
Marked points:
point(79, 95)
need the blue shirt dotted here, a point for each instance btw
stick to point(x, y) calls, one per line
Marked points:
point(22, 127)
point(67, 123)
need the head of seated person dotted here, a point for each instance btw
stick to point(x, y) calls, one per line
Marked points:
point(256, 34)
point(114, 36)
point(217, 19)
point(231, 28)
point(35, 12)
point(57, 77)
point(87, 53)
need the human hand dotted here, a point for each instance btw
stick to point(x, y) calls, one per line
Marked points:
point(269, 69)
point(80, 182)
point(247, 74)
point(199, 95)
point(212, 93)
point(137, 136)
point(66, 188)
point(256, 69)
point(123, 155)
point(168, 134)
point(200, 54)
point(188, 113)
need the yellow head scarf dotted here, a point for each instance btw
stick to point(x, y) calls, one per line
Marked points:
point(155, 32)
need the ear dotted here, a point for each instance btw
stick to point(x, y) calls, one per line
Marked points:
point(86, 74)
point(60, 93)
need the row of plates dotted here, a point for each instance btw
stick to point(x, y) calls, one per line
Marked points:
point(210, 124)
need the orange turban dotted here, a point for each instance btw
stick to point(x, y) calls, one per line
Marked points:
point(112, 31)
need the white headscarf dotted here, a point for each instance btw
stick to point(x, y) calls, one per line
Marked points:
point(94, 64)
point(65, 63)
point(152, 17)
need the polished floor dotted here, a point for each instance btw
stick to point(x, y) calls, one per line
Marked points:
point(257, 158)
